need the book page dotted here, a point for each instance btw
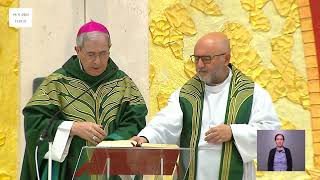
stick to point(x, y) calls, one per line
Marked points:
point(150, 145)
point(131, 143)
point(119, 143)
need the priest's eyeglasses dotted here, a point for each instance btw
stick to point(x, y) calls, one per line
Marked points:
point(205, 59)
point(103, 55)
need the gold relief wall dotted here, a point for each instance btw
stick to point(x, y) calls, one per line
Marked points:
point(9, 56)
point(267, 45)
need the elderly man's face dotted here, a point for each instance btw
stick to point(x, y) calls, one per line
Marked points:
point(214, 71)
point(94, 55)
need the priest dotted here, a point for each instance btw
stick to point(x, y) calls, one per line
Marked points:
point(217, 114)
point(96, 100)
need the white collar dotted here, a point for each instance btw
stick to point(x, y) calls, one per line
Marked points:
point(81, 67)
point(219, 87)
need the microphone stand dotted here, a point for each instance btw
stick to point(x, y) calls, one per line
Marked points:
point(47, 136)
point(50, 161)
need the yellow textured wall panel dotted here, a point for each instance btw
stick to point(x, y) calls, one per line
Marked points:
point(207, 7)
point(178, 17)
point(283, 6)
point(6, 3)
point(267, 45)
point(9, 60)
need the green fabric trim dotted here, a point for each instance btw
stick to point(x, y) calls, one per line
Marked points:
point(238, 112)
point(191, 102)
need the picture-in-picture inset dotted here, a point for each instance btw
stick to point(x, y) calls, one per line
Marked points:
point(281, 150)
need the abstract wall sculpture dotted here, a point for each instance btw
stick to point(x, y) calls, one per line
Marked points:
point(274, 42)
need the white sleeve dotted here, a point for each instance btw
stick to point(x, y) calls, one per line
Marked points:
point(166, 126)
point(61, 142)
point(263, 117)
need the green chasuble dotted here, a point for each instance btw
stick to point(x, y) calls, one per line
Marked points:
point(238, 111)
point(115, 103)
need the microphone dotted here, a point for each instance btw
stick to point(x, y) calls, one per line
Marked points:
point(45, 135)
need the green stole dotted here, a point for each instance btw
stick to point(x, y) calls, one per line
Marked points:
point(238, 112)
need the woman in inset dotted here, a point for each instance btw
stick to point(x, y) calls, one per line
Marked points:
point(280, 156)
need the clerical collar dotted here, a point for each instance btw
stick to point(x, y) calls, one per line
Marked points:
point(219, 87)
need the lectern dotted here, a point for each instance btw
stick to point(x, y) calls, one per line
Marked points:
point(105, 162)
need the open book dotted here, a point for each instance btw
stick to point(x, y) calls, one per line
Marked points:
point(131, 143)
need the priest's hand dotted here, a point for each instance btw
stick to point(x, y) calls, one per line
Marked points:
point(89, 131)
point(218, 134)
point(139, 140)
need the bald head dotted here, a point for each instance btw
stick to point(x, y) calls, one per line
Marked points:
point(217, 40)
point(214, 51)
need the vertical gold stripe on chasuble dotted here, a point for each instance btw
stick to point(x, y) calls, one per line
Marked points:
point(191, 94)
point(226, 159)
point(239, 93)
